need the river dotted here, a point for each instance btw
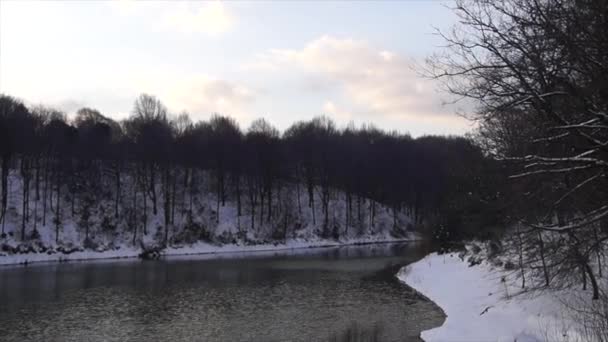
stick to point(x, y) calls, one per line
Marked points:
point(323, 294)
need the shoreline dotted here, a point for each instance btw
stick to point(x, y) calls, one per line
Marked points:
point(479, 303)
point(26, 259)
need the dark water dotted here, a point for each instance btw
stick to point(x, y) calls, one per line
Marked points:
point(335, 294)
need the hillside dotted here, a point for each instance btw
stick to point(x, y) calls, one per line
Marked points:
point(95, 224)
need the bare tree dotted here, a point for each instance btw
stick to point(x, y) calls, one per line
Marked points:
point(537, 71)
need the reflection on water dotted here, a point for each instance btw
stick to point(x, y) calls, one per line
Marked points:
point(355, 333)
point(335, 294)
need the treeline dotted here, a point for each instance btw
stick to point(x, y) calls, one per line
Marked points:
point(164, 162)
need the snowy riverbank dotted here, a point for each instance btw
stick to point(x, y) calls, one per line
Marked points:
point(194, 249)
point(479, 304)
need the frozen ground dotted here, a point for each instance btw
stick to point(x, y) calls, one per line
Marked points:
point(480, 305)
point(127, 251)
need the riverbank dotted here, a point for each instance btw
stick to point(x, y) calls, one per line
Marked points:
point(200, 248)
point(480, 305)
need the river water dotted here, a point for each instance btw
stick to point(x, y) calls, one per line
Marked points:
point(325, 294)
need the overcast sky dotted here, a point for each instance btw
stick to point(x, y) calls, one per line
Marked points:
point(284, 61)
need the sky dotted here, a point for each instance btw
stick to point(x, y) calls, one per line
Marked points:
point(286, 61)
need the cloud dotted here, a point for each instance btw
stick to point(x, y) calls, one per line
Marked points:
point(330, 108)
point(205, 95)
point(199, 95)
point(208, 17)
point(70, 106)
point(211, 18)
point(374, 82)
point(124, 7)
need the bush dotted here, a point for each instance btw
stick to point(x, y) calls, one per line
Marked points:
point(107, 224)
point(225, 238)
point(191, 233)
point(509, 266)
point(35, 234)
point(89, 243)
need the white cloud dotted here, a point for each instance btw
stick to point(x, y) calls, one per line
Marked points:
point(124, 7)
point(199, 95)
point(211, 18)
point(330, 108)
point(205, 95)
point(376, 83)
point(69, 106)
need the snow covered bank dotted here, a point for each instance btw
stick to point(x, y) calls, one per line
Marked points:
point(480, 306)
point(198, 248)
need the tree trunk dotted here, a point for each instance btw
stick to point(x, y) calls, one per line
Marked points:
point(598, 252)
point(134, 214)
point(279, 202)
point(325, 200)
point(26, 185)
point(373, 213)
point(349, 204)
point(371, 217)
point(584, 274)
point(153, 189)
point(145, 213)
point(542, 258)
point(311, 204)
point(359, 209)
point(173, 192)
point(192, 183)
point(167, 203)
point(269, 202)
point(217, 204)
point(594, 285)
point(262, 193)
point(347, 223)
point(223, 190)
point(86, 230)
point(45, 191)
point(185, 189)
point(3, 207)
point(72, 200)
point(252, 204)
point(395, 217)
point(37, 186)
point(117, 199)
point(58, 209)
point(298, 193)
point(521, 258)
point(238, 203)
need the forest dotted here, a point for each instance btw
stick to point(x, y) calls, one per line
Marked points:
point(154, 168)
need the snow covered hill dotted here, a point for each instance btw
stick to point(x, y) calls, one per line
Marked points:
point(94, 224)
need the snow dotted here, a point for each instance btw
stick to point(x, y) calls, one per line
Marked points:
point(480, 305)
point(119, 236)
point(200, 248)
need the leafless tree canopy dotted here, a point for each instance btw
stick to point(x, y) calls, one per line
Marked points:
point(538, 70)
